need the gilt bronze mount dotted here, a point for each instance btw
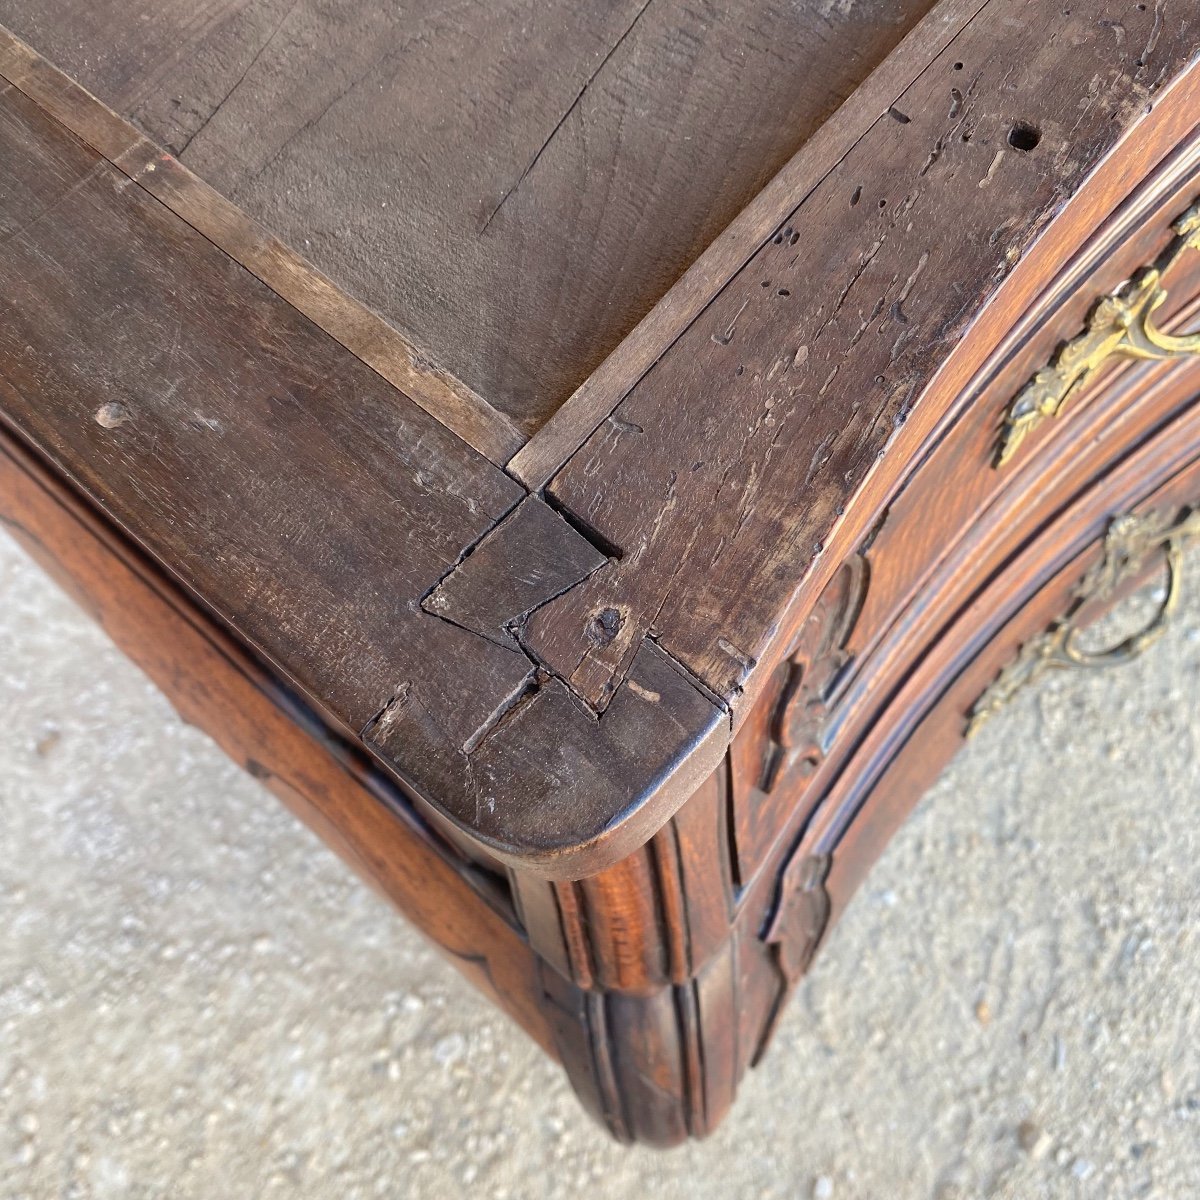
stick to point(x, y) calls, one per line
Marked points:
point(1120, 327)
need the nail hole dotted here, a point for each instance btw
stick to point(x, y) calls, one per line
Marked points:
point(1024, 137)
point(855, 196)
point(958, 66)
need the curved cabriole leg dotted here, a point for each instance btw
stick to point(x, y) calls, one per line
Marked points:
point(663, 975)
point(641, 976)
point(656, 1068)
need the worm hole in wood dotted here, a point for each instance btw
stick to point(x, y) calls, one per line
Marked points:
point(1024, 137)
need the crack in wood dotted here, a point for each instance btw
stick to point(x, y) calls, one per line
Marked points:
point(533, 162)
point(240, 79)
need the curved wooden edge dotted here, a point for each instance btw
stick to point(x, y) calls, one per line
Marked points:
point(323, 779)
point(1079, 196)
point(660, 1007)
point(289, 274)
point(657, 990)
point(655, 1069)
point(552, 789)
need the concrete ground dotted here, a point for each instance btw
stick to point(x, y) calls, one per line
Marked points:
point(198, 1001)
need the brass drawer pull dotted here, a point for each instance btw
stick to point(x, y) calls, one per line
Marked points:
point(1129, 540)
point(1119, 327)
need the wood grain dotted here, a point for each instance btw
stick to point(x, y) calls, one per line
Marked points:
point(279, 477)
point(769, 432)
point(512, 185)
point(314, 508)
point(579, 415)
point(354, 325)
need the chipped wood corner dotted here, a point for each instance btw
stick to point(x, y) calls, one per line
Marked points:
point(537, 775)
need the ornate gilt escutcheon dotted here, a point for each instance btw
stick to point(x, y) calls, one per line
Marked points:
point(1128, 542)
point(1120, 327)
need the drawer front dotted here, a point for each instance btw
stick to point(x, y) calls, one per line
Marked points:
point(905, 713)
point(963, 511)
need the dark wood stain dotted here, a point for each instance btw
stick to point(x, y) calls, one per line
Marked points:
point(625, 746)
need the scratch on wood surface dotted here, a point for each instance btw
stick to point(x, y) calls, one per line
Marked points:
point(992, 169)
point(508, 707)
point(587, 83)
point(1155, 34)
point(624, 426)
point(745, 661)
point(384, 717)
point(302, 129)
point(723, 339)
point(389, 52)
point(52, 207)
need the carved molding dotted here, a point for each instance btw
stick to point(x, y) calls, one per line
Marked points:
point(817, 669)
point(797, 925)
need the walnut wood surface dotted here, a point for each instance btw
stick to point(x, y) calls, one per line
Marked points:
point(355, 326)
point(688, 490)
point(790, 531)
point(610, 382)
point(314, 508)
point(810, 375)
point(263, 463)
point(513, 185)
